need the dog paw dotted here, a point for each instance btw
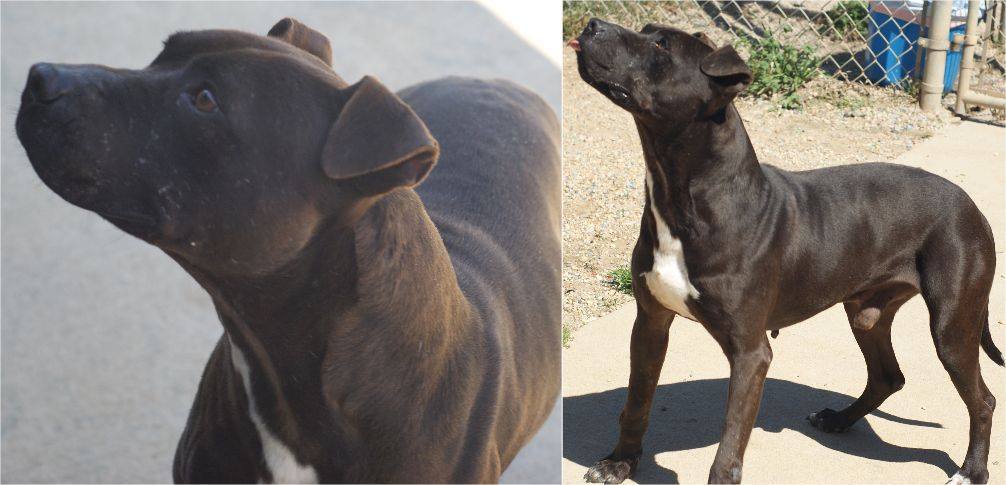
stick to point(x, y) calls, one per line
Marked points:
point(968, 477)
point(959, 479)
point(829, 421)
point(610, 470)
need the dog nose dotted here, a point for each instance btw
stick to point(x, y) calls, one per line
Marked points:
point(45, 84)
point(595, 25)
point(49, 82)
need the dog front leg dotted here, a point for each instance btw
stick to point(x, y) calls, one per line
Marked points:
point(749, 360)
point(647, 350)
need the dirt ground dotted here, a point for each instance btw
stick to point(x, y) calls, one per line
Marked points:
point(841, 123)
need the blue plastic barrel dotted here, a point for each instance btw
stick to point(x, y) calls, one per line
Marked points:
point(893, 41)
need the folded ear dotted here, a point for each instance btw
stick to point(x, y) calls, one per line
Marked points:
point(728, 75)
point(299, 35)
point(378, 143)
point(705, 39)
point(652, 27)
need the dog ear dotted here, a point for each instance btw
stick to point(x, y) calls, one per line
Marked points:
point(652, 27)
point(728, 75)
point(299, 35)
point(705, 39)
point(378, 143)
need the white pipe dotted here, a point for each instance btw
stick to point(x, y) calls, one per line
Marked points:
point(931, 89)
point(972, 97)
point(967, 58)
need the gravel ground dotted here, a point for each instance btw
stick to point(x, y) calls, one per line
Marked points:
point(603, 166)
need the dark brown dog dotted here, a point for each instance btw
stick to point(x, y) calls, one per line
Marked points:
point(745, 248)
point(373, 333)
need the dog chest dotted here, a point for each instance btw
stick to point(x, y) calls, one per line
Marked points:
point(668, 280)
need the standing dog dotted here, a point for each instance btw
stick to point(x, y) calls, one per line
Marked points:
point(373, 332)
point(744, 248)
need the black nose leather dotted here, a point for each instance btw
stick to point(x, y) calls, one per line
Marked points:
point(45, 84)
point(594, 26)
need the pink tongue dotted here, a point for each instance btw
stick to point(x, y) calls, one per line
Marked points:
point(575, 44)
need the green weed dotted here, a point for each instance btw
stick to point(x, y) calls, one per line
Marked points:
point(621, 280)
point(847, 17)
point(780, 70)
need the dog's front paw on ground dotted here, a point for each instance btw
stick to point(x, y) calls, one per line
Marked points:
point(965, 477)
point(829, 421)
point(959, 479)
point(610, 470)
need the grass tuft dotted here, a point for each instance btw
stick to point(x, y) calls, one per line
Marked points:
point(846, 18)
point(621, 280)
point(780, 70)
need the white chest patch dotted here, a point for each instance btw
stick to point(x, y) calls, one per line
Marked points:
point(668, 279)
point(282, 464)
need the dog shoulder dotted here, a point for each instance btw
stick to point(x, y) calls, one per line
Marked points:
point(482, 99)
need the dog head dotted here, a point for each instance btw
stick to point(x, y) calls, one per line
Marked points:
point(229, 149)
point(660, 72)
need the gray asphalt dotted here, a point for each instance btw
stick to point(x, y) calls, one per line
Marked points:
point(104, 337)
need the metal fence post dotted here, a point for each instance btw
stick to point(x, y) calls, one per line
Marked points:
point(923, 32)
point(965, 95)
point(931, 90)
point(967, 56)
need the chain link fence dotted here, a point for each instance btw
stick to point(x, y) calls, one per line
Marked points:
point(857, 41)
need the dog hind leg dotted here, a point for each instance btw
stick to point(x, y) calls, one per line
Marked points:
point(956, 282)
point(884, 375)
point(958, 351)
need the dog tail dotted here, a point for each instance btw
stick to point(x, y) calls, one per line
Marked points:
point(988, 345)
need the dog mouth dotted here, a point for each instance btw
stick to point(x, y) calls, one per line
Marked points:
point(90, 193)
point(89, 189)
point(53, 137)
point(617, 93)
point(593, 71)
point(31, 100)
point(127, 216)
point(138, 218)
point(590, 60)
point(614, 91)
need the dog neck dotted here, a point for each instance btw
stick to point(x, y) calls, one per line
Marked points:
point(388, 277)
point(707, 158)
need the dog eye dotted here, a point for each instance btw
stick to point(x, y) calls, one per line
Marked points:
point(205, 101)
point(661, 43)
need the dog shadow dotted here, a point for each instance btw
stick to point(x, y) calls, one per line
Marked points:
point(688, 415)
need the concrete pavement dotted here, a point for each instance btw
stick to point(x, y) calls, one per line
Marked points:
point(103, 337)
point(919, 435)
